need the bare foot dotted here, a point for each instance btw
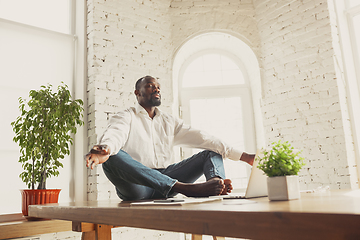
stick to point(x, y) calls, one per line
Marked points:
point(228, 187)
point(212, 187)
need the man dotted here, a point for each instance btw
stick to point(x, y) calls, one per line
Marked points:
point(136, 152)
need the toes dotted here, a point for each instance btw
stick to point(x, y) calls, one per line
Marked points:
point(227, 187)
point(227, 181)
point(221, 182)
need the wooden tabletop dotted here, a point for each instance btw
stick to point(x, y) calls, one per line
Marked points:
point(328, 215)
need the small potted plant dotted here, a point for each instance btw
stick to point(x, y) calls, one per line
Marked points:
point(281, 164)
point(44, 131)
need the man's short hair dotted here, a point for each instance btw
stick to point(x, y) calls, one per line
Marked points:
point(137, 84)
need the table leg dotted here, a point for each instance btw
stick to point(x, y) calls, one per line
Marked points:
point(88, 235)
point(91, 231)
point(196, 237)
point(199, 237)
point(218, 238)
point(102, 232)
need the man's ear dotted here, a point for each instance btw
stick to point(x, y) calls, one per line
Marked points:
point(137, 93)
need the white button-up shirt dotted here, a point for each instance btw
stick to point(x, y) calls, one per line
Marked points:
point(151, 141)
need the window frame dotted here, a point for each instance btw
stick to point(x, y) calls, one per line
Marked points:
point(185, 94)
point(351, 71)
point(77, 177)
point(350, 14)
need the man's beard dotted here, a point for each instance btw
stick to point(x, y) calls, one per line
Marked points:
point(155, 101)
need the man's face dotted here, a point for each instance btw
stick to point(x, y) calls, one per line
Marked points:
point(148, 94)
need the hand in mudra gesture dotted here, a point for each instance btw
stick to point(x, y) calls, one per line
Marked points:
point(97, 155)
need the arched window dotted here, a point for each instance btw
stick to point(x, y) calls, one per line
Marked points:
point(215, 95)
point(212, 69)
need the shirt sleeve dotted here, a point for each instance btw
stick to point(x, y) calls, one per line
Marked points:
point(187, 136)
point(117, 131)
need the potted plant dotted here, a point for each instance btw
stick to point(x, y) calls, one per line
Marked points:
point(281, 164)
point(44, 131)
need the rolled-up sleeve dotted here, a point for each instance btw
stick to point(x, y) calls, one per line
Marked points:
point(187, 136)
point(117, 132)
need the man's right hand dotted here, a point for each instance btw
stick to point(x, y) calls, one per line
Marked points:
point(97, 155)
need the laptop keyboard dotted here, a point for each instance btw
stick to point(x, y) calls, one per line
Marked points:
point(228, 197)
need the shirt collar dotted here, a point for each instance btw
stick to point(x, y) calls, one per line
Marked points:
point(140, 109)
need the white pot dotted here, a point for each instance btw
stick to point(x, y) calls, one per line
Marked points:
point(283, 187)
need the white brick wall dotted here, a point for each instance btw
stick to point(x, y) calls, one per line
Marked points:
point(236, 17)
point(126, 40)
point(304, 102)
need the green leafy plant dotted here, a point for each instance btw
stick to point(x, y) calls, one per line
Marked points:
point(281, 160)
point(44, 131)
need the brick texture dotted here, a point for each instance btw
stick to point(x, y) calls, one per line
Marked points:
point(236, 17)
point(126, 40)
point(304, 102)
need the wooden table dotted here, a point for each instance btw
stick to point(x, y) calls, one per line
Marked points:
point(329, 215)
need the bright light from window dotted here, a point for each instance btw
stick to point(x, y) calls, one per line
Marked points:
point(48, 14)
point(227, 124)
point(212, 70)
point(30, 57)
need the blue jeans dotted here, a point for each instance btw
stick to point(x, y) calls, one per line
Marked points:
point(134, 181)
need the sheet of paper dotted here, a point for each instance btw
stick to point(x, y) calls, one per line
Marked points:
point(169, 202)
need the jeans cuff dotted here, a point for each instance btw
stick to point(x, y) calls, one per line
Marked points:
point(167, 192)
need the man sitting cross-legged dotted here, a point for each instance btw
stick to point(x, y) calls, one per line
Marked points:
point(136, 152)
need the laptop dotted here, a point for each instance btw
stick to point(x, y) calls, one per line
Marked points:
point(257, 185)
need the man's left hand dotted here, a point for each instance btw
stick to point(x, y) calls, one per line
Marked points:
point(248, 158)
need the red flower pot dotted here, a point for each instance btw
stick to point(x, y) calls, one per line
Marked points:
point(38, 196)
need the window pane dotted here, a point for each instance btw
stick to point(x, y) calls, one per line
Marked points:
point(193, 79)
point(228, 64)
point(226, 124)
point(212, 70)
point(232, 77)
point(49, 14)
point(29, 58)
point(212, 78)
point(212, 62)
